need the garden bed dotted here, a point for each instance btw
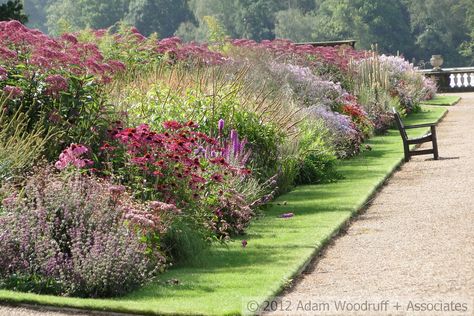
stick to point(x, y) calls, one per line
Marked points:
point(278, 248)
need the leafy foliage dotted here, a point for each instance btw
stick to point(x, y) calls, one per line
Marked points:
point(12, 10)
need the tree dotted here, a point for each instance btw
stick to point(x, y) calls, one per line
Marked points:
point(36, 11)
point(440, 27)
point(295, 25)
point(385, 23)
point(160, 16)
point(13, 10)
point(255, 19)
point(85, 13)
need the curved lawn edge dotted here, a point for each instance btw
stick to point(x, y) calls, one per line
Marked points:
point(445, 99)
point(278, 249)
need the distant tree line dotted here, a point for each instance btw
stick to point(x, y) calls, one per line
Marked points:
point(414, 28)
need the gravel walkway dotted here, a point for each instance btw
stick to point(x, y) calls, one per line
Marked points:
point(416, 239)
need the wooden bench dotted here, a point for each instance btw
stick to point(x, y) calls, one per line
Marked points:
point(430, 137)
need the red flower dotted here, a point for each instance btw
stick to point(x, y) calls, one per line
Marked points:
point(172, 125)
point(217, 177)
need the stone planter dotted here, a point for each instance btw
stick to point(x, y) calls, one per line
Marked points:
point(436, 61)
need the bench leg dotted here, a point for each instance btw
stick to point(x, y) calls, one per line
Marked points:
point(406, 149)
point(435, 143)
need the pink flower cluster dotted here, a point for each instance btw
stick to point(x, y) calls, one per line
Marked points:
point(32, 47)
point(3, 73)
point(56, 84)
point(72, 156)
point(336, 55)
point(176, 49)
point(12, 92)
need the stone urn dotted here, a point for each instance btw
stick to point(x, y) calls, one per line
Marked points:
point(436, 61)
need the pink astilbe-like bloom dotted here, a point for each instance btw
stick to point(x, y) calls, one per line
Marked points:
point(3, 73)
point(164, 207)
point(12, 92)
point(69, 38)
point(7, 54)
point(117, 65)
point(56, 84)
point(72, 156)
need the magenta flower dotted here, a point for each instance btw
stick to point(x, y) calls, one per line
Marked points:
point(12, 92)
point(6, 53)
point(56, 84)
point(244, 243)
point(217, 177)
point(286, 215)
point(3, 73)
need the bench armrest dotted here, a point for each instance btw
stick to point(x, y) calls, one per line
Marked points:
point(420, 125)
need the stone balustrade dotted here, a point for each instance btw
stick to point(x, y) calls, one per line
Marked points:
point(452, 79)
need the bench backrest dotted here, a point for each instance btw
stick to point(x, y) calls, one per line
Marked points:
point(401, 127)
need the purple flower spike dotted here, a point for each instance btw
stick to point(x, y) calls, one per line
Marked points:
point(287, 215)
point(234, 138)
point(221, 126)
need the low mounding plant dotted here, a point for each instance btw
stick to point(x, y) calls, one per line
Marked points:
point(318, 159)
point(71, 234)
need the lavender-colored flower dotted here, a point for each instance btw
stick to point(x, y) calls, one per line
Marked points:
point(220, 126)
point(200, 151)
point(287, 215)
point(234, 138)
point(65, 230)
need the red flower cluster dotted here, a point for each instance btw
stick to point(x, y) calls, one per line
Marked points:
point(337, 55)
point(173, 161)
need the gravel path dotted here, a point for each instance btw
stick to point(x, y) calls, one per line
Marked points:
point(416, 239)
point(21, 311)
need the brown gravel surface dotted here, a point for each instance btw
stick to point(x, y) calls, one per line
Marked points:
point(21, 311)
point(416, 239)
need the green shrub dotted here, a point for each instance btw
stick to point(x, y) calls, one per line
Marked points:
point(317, 158)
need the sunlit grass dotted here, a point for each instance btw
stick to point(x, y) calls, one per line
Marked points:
point(443, 100)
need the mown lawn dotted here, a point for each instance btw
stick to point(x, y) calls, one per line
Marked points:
point(277, 248)
point(443, 100)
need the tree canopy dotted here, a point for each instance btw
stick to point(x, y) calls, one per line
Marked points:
point(12, 10)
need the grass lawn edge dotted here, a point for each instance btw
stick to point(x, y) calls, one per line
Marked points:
point(31, 300)
point(443, 100)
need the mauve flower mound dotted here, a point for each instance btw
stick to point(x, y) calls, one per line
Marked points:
point(76, 236)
